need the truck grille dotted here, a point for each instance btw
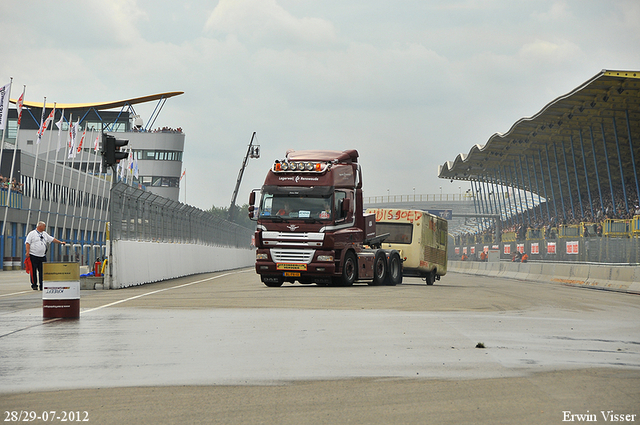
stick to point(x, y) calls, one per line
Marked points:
point(292, 255)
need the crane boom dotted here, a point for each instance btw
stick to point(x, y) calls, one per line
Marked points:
point(232, 207)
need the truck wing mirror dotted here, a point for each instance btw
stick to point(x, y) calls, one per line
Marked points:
point(253, 211)
point(346, 206)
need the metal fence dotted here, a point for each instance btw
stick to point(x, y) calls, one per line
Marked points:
point(142, 216)
point(572, 249)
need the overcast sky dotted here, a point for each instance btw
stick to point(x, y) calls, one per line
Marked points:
point(410, 84)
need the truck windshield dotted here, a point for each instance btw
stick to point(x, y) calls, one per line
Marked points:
point(296, 207)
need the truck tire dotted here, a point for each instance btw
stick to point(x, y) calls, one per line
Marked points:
point(349, 269)
point(379, 268)
point(394, 270)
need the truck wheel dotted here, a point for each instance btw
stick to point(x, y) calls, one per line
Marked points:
point(349, 269)
point(394, 271)
point(379, 268)
point(431, 277)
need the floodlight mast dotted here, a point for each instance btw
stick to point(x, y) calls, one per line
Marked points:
point(254, 152)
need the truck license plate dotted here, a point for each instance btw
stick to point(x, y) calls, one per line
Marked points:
point(291, 274)
point(291, 266)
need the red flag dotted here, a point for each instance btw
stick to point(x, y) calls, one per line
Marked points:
point(19, 107)
point(45, 124)
point(27, 265)
point(82, 139)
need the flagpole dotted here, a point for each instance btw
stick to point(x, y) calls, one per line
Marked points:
point(55, 170)
point(73, 217)
point(35, 165)
point(46, 166)
point(183, 175)
point(93, 179)
point(4, 130)
point(71, 144)
point(84, 194)
point(13, 163)
point(6, 208)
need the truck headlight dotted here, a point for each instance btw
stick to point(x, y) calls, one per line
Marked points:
point(262, 256)
point(325, 257)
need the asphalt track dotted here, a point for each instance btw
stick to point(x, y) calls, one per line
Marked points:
point(222, 348)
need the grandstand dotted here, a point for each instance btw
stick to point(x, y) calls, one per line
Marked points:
point(578, 157)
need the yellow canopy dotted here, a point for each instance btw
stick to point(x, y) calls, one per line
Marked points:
point(103, 105)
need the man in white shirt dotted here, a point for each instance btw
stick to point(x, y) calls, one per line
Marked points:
point(37, 243)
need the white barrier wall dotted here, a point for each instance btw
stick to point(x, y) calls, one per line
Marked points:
point(137, 263)
point(613, 277)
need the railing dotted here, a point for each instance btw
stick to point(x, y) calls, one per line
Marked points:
point(617, 228)
point(418, 198)
point(569, 230)
point(509, 237)
point(620, 250)
point(635, 226)
point(590, 229)
point(533, 234)
point(15, 199)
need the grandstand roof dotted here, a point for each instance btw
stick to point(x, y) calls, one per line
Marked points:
point(601, 115)
point(103, 105)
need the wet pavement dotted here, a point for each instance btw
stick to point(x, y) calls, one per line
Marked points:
point(113, 345)
point(223, 348)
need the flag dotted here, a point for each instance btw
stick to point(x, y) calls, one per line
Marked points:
point(73, 133)
point(19, 104)
point(84, 133)
point(96, 144)
point(135, 167)
point(123, 169)
point(59, 125)
point(45, 124)
point(183, 173)
point(4, 105)
point(130, 160)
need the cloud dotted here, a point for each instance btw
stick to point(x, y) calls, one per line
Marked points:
point(557, 11)
point(410, 84)
point(265, 23)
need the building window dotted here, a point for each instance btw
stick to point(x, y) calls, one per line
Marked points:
point(159, 155)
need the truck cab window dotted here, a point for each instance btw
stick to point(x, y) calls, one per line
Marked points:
point(340, 197)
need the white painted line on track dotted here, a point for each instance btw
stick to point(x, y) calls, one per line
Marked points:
point(125, 300)
point(15, 293)
point(158, 291)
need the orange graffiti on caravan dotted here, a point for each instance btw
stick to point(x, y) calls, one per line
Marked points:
point(403, 215)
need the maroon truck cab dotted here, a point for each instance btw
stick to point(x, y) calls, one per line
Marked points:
point(310, 222)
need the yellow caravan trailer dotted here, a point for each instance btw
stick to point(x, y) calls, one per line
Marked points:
point(420, 237)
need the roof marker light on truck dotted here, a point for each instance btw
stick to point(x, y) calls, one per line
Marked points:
point(314, 167)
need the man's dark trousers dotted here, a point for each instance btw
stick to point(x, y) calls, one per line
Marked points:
point(36, 264)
